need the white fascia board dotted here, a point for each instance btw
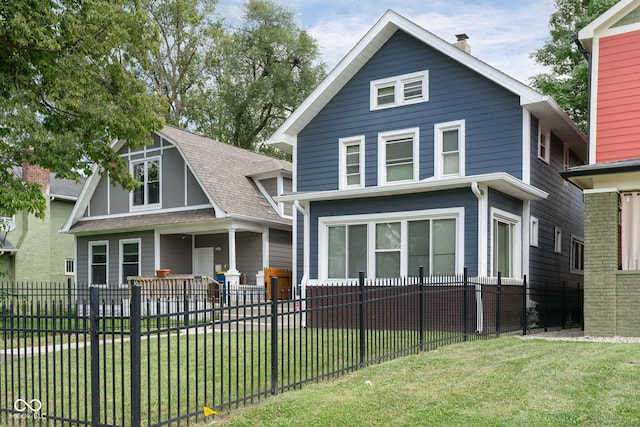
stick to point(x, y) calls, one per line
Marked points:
point(608, 18)
point(500, 181)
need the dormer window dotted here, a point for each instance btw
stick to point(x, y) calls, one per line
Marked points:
point(399, 90)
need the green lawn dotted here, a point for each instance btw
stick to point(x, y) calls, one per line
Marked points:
point(501, 382)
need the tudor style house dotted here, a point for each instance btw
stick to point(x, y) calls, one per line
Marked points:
point(611, 179)
point(203, 207)
point(412, 152)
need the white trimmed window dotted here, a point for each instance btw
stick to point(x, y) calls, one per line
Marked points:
point(397, 156)
point(399, 90)
point(129, 259)
point(544, 144)
point(565, 157)
point(99, 263)
point(577, 255)
point(69, 266)
point(534, 230)
point(383, 246)
point(352, 162)
point(557, 241)
point(505, 243)
point(449, 148)
point(147, 194)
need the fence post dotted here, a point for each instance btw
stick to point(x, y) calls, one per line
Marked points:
point(94, 315)
point(185, 304)
point(421, 308)
point(363, 326)
point(135, 309)
point(465, 304)
point(546, 304)
point(274, 335)
point(498, 301)
point(525, 319)
point(563, 315)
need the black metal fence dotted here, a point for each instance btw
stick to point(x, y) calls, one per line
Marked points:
point(116, 357)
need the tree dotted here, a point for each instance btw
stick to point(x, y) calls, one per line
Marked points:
point(189, 40)
point(567, 82)
point(268, 68)
point(67, 91)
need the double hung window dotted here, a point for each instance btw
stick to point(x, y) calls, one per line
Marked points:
point(398, 152)
point(129, 259)
point(352, 162)
point(98, 263)
point(450, 148)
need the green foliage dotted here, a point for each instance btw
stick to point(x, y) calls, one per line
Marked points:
point(567, 82)
point(67, 91)
point(268, 67)
point(188, 54)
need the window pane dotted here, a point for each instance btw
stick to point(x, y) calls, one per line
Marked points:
point(353, 164)
point(154, 192)
point(98, 274)
point(399, 150)
point(130, 252)
point(450, 140)
point(388, 264)
point(337, 252)
point(418, 247)
point(413, 90)
point(153, 171)
point(357, 256)
point(502, 248)
point(99, 254)
point(444, 246)
point(386, 95)
point(399, 172)
point(138, 172)
point(128, 270)
point(451, 164)
point(388, 235)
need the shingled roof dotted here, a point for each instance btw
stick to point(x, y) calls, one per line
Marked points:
point(225, 173)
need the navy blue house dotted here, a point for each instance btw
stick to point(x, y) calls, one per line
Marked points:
point(412, 152)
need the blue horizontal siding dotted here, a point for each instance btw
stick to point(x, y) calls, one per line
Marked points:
point(493, 117)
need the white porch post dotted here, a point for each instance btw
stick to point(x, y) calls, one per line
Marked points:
point(232, 275)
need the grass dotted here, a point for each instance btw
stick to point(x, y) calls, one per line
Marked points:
point(501, 382)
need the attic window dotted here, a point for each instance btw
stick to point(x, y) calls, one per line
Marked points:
point(399, 90)
point(147, 172)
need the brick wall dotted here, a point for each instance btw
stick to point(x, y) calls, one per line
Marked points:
point(601, 263)
point(38, 175)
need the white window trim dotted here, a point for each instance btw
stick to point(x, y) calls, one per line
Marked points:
point(146, 206)
point(398, 83)
point(439, 129)
point(516, 250)
point(382, 156)
point(121, 243)
point(343, 144)
point(557, 240)
point(544, 138)
point(91, 245)
point(565, 157)
point(576, 239)
point(534, 231)
point(371, 219)
point(67, 262)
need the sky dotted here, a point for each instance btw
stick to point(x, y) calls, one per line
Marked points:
point(502, 33)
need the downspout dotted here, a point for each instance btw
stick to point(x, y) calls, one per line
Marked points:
point(481, 195)
point(587, 57)
point(306, 257)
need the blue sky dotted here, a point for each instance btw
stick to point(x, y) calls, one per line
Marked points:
point(501, 33)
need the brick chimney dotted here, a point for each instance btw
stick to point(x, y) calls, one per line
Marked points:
point(462, 43)
point(37, 174)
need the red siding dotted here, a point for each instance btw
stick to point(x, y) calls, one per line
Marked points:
point(618, 111)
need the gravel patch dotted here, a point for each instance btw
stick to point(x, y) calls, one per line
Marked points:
point(577, 335)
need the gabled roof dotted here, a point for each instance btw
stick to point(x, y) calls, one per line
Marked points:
point(542, 106)
point(224, 173)
point(605, 21)
point(65, 189)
